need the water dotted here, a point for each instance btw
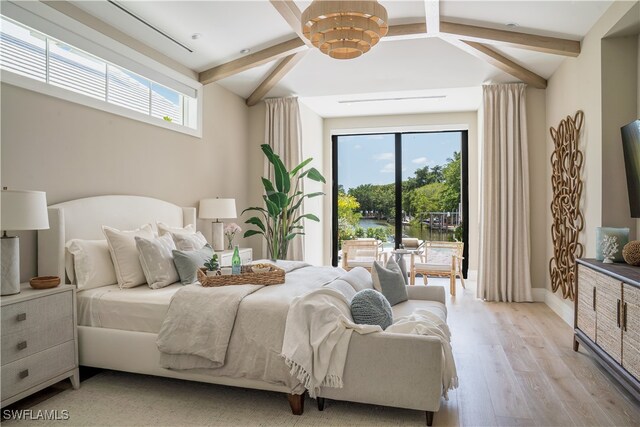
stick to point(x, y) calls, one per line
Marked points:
point(418, 231)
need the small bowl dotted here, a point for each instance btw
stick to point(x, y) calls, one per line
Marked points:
point(257, 269)
point(44, 282)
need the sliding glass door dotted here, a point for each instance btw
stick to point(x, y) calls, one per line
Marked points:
point(396, 186)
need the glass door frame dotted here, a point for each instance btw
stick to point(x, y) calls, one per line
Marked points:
point(464, 171)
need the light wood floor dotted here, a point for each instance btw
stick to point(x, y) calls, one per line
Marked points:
point(516, 367)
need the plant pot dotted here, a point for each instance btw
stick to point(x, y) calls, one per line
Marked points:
point(213, 273)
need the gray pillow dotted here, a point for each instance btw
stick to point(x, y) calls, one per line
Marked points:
point(370, 307)
point(188, 262)
point(389, 281)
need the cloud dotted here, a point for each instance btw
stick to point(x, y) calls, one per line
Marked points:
point(388, 168)
point(384, 156)
point(420, 161)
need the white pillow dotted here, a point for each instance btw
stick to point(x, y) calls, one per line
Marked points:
point(156, 258)
point(124, 254)
point(92, 265)
point(189, 242)
point(164, 229)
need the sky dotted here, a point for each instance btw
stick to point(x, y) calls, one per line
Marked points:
point(370, 159)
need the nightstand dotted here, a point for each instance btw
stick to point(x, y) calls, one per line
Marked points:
point(39, 341)
point(246, 256)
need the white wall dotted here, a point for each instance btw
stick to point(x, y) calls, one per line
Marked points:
point(578, 85)
point(72, 151)
point(312, 138)
point(468, 119)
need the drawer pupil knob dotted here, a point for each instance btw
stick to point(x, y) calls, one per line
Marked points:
point(22, 345)
point(22, 316)
point(24, 374)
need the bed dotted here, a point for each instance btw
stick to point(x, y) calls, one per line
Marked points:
point(118, 329)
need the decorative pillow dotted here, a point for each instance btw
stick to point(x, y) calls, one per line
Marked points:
point(359, 278)
point(370, 307)
point(124, 254)
point(389, 281)
point(188, 262)
point(92, 266)
point(189, 242)
point(156, 259)
point(343, 287)
point(164, 229)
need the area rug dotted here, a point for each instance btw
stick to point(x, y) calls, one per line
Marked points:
point(122, 399)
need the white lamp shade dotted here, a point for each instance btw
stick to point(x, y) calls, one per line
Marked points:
point(217, 208)
point(24, 210)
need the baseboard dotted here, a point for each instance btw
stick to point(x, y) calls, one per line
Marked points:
point(561, 309)
point(538, 294)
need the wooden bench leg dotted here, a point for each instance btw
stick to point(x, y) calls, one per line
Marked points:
point(296, 401)
point(429, 418)
point(321, 404)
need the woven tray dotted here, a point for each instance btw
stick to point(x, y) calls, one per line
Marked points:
point(247, 277)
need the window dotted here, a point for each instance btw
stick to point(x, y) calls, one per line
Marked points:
point(31, 54)
point(402, 185)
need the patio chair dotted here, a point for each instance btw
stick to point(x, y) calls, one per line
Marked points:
point(440, 259)
point(362, 253)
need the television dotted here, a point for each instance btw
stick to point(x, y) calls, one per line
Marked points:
point(631, 149)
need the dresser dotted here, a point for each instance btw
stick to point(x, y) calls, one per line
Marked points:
point(39, 341)
point(607, 318)
point(246, 256)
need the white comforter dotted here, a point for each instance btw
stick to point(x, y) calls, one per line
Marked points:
point(255, 343)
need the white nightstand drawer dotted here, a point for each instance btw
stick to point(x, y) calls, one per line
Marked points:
point(26, 342)
point(36, 313)
point(33, 370)
point(246, 256)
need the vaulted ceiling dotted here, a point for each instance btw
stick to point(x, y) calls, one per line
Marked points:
point(433, 47)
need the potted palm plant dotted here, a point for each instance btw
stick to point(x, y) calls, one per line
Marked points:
point(280, 220)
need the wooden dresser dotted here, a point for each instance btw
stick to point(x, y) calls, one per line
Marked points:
point(607, 318)
point(39, 341)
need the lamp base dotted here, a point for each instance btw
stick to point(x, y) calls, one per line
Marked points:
point(10, 266)
point(217, 236)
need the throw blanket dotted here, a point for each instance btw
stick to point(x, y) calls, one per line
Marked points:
point(316, 338)
point(199, 323)
point(423, 322)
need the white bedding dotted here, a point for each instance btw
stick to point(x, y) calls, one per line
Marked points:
point(138, 309)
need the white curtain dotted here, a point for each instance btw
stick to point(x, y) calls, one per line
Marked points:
point(284, 135)
point(504, 269)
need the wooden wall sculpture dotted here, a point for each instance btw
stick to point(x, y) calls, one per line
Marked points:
point(568, 221)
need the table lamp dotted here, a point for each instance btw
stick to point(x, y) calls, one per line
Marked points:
point(216, 209)
point(21, 210)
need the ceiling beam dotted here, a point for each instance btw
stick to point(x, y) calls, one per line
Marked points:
point(290, 12)
point(406, 31)
point(253, 60)
point(276, 75)
point(512, 38)
point(499, 61)
point(432, 16)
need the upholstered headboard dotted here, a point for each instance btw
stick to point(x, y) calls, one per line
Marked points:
point(84, 218)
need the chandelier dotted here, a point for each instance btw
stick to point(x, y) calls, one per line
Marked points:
point(344, 29)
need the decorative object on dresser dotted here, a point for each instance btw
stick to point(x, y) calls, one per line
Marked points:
point(631, 253)
point(619, 236)
point(230, 231)
point(215, 209)
point(607, 318)
point(568, 220)
point(281, 221)
point(21, 210)
point(44, 282)
point(39, 341)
